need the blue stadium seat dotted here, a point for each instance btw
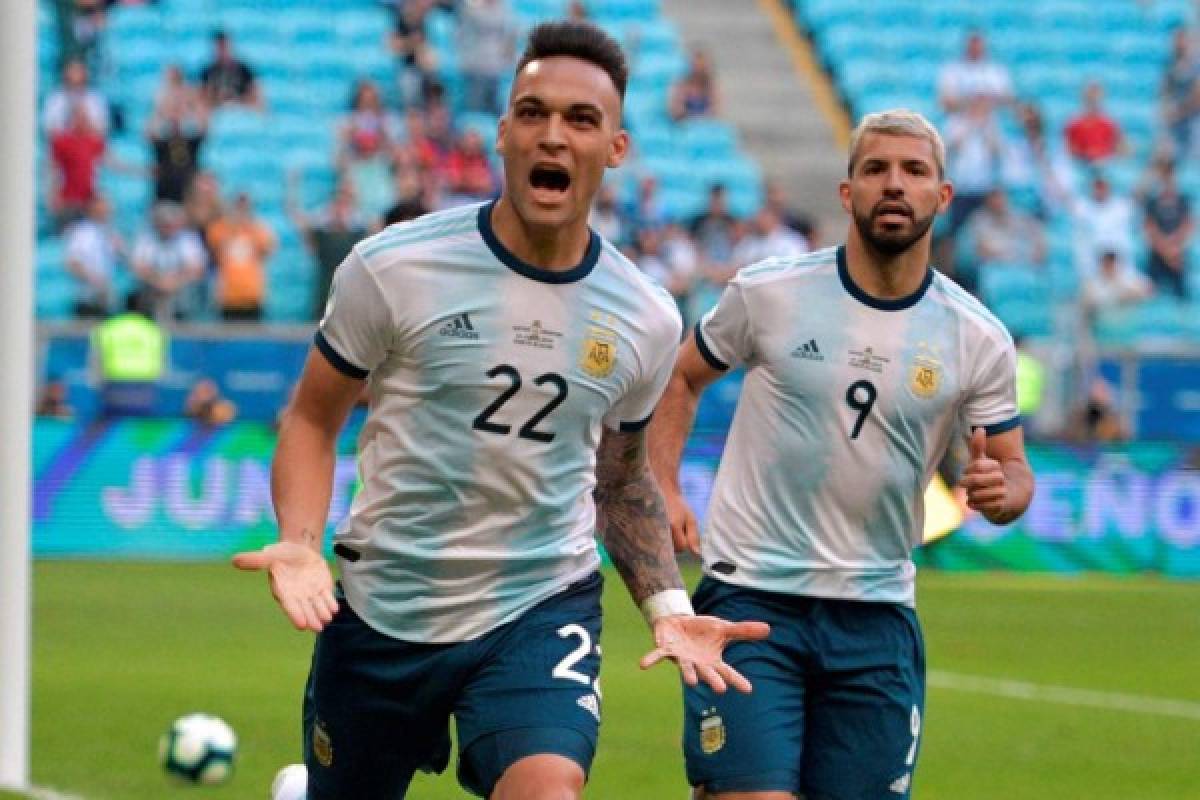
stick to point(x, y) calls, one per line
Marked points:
point(704, 138)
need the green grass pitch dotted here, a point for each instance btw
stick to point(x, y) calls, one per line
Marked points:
point(122, 649)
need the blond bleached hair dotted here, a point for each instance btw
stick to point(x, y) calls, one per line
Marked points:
point(898, 122)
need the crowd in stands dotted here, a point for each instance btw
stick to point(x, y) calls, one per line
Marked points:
point(1127, 245)
point(401, 151)
point(407, 146)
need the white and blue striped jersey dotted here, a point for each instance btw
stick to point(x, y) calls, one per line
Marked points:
point(489, 382)
point(848, 404)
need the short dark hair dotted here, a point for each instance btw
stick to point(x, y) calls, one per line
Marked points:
point(578, 39)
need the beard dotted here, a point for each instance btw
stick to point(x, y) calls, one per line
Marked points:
point(890, 243)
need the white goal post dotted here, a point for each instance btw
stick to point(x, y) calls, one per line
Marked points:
point(18, 75)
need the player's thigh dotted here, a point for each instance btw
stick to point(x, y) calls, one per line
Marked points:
point(535, 691)
point(541, 777)
point(376, 709)
point(865, 717)
point(739, 744)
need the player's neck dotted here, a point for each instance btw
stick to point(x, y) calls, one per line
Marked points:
point(883, 276)
point(554, 248)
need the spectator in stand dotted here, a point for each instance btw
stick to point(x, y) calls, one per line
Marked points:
point(487, 38)
point(1001, 234)
point(368, 127)
point(648, 258)
point(1181, 93)
point(606, 218)
point(767, 237)
point(176, 132)
point(1112, 285)
point(202, 206)
point(774, 199)
point(974, 153)
point(646, 210)
point(425, 151)
point(469, 174)
point(93, 250)
point(439, 129)
point(416, 63)
point(411, 196)
point(713, 231)
point(74, 93)
point(365, 150)
point(81, 25)
point(695, 94)
point(329, 234)
point(1092, 135)
point(176, 91)
point(1103, 222)
point(973, 78)
point(241, 243)
point(682, 262)
point(1037, 167)
point(76, 153)
point(1168, 227)
point(227, 79)
point(169, 262)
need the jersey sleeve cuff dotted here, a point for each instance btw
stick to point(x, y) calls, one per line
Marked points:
point(336, 360)
point(1001, 427)
point(707, 352)
point(636, 425)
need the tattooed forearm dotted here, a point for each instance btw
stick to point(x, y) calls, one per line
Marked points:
point(632, 518)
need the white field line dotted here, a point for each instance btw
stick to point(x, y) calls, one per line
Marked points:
point(43, 793)
point(1065, 695)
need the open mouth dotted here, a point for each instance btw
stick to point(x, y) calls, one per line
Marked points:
point(550, 177)
point(893, 210)
point(893, 215)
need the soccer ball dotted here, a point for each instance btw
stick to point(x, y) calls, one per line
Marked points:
point(198, 748)
point(291, 783)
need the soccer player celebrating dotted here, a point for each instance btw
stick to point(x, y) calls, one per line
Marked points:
point(862, 363)
point(512, 360)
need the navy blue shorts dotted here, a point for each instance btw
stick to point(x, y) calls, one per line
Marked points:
point(836, 711)
point(376, 709)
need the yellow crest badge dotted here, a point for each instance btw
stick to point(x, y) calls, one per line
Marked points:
point(712, 733)
point(925, 376)
point(322, 745)
point(599, 353)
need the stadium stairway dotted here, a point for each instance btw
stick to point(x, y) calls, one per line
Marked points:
point(774, 110)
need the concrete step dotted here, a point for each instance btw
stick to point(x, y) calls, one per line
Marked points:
point(778, 121)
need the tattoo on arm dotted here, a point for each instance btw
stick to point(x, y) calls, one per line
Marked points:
point(632, 518)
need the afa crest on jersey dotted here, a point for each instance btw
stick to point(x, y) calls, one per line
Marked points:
point(925, 376)
point(712, 732)
point(599, 352)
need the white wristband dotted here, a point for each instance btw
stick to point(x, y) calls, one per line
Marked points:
point(668, 603)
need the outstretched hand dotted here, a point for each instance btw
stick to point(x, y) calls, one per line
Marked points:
point(696, 645)
point(300, 581)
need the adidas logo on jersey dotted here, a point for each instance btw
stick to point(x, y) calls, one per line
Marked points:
point(460, 327)
point(900, 785)
point(809, 350)
point(590, 703)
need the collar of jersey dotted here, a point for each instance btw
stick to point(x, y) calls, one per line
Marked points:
point(855, 291)
point(510, 260)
